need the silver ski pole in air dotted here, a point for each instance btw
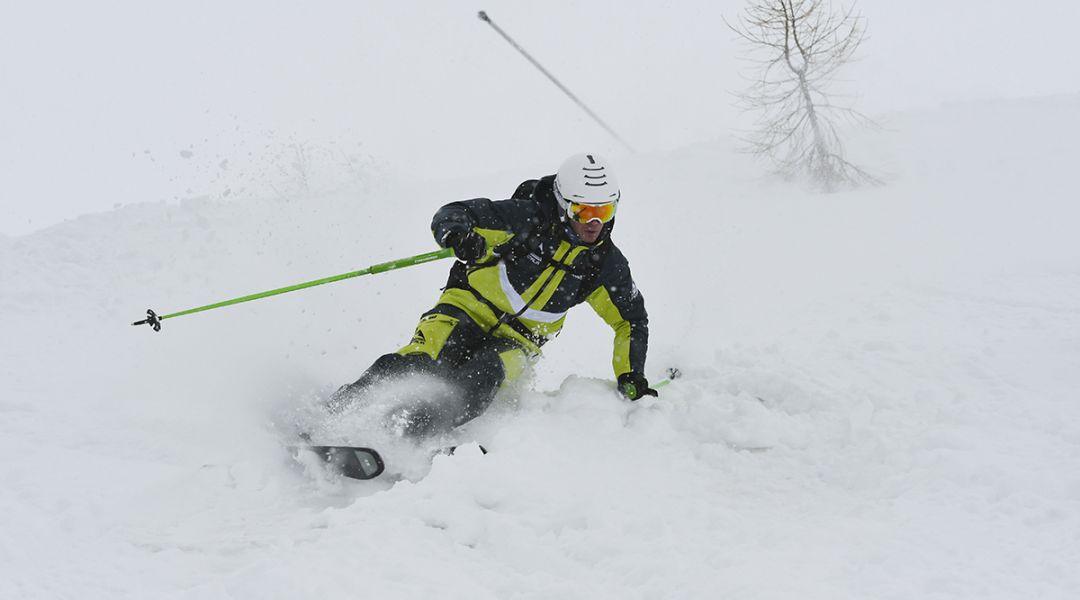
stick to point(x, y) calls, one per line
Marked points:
point(485, 18)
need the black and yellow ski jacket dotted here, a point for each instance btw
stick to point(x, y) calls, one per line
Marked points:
point(535, 269)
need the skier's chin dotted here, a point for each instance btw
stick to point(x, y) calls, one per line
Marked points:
point(588, 232)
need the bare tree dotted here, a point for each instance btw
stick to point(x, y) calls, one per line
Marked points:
point(799, 45)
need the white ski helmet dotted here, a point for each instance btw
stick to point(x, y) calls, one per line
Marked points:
point(586, 179)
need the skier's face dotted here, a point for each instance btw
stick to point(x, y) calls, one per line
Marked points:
point(587, 232)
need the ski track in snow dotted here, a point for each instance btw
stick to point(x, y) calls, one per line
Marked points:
point(879, 397)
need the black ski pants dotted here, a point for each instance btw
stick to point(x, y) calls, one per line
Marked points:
point(450, 346)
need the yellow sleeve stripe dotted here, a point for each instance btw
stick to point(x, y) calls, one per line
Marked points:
point(601, 302)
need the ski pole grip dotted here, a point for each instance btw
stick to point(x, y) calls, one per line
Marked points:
point(151, 319)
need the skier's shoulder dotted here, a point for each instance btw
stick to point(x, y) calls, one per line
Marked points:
point(615, 272)
point(613, 275)
point(533, 200)
point(535, 189)
point(614, 259)
point(525, 189)
point(518, 213)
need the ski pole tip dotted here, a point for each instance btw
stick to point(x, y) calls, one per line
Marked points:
point(483, 16)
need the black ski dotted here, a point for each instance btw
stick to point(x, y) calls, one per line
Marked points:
point(357, 462)
point(351, 461)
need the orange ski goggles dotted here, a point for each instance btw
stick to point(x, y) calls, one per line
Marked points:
point(583, 213)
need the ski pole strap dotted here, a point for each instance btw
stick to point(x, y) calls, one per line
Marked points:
point(154, 320)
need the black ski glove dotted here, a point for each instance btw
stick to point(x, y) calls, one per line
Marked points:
point(634, 385)
point(468, 245)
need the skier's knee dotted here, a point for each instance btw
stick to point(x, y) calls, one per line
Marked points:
point(344, 397)
point(386, 367)
point(513, 364)
point(419, 420)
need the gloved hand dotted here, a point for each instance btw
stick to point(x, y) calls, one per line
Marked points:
point(634, 385)
point(468, 245)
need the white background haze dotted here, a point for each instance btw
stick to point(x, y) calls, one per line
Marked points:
point(98, 101)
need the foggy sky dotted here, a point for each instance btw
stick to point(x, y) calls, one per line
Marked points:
point(123, 102)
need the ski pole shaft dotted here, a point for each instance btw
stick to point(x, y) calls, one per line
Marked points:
point(485, 18)
point(673, 374)
point(154, 320)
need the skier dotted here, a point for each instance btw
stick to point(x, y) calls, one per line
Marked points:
point(523, 263)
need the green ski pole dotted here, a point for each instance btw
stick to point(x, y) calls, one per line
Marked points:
point(154, 320)
point(672, 373)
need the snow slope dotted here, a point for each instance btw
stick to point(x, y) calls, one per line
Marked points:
point(880, 397)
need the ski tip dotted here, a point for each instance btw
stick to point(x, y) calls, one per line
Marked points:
point(354, 462)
